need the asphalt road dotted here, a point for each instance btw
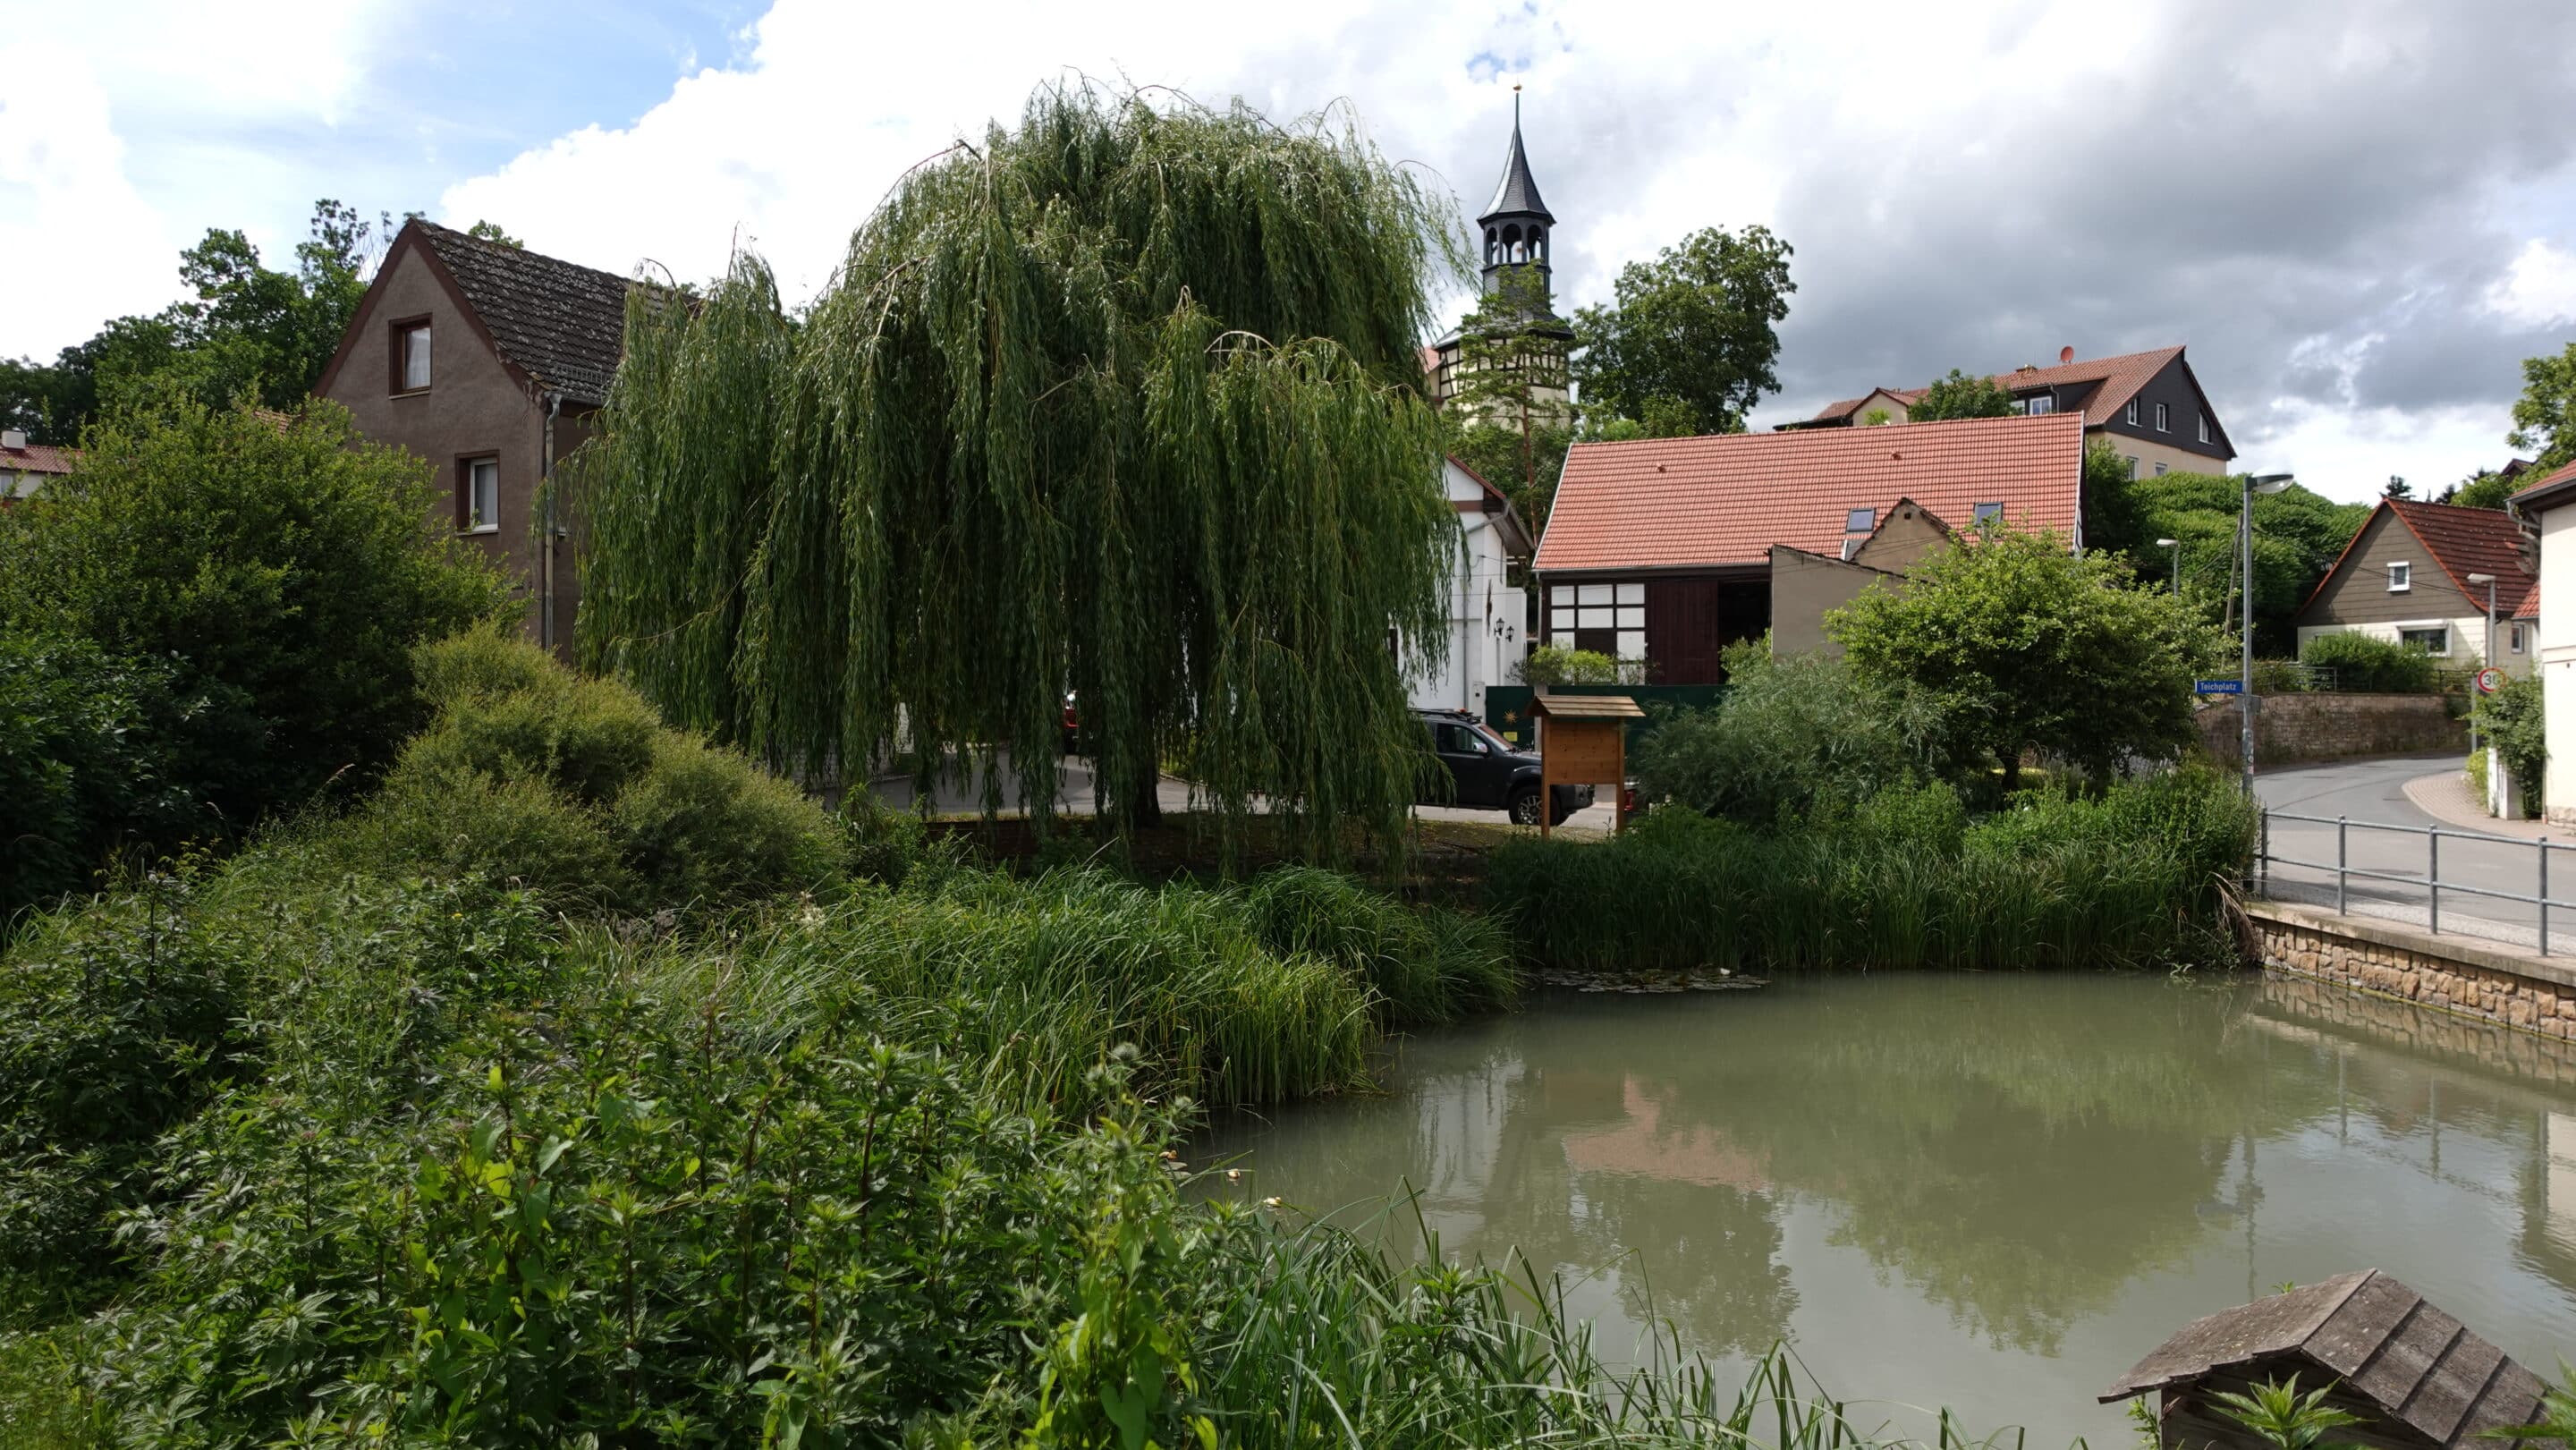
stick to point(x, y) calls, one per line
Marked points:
point(2373, 792)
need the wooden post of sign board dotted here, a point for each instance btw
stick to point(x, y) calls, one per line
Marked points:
point(1584, 742)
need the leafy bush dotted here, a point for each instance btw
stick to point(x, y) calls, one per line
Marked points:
point(1424, 966)
point(1554, 664)
point(1794, 737)
point(2371, 665)
point(2512, 719)
point(283, 567)
point(83, 764)
point(531, 773)
point(1906, 880)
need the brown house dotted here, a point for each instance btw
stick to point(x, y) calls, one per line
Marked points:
point(2147, 405)
point(489, 361)
point(1670, 549)
point(2407, 576)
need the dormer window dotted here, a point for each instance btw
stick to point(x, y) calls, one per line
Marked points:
point(410, 369)
point(2401, 578)
point(1860, 521)
point(2039, 403)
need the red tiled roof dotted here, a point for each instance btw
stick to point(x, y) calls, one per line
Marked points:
point(37, 458)
point(2554, 481)
point(2469, 541)
point(2529, 608)
point(1667, 503)
point(2120, 377)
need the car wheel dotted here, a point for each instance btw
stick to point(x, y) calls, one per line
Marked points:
point(1524, 808)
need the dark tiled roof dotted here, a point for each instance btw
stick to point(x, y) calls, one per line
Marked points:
point(563, 323)
point(2121, 377)
point(1728, 498)
point(2380, 1339)
point(1518, 191)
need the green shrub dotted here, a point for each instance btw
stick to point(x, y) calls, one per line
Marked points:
point(532, 774)
point(1554, 664)
point(2371, 665)
point(2513, 721)
point(1794, 737)
point(282, 567)
point(83, 764)
point(1905, 880)
point(1425, 966)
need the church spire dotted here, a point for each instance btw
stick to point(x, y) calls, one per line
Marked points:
point(1515, 227)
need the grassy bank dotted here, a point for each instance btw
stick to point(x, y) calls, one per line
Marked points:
point(1908, 879)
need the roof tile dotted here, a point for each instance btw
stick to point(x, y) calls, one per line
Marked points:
point(563, 322)
point(2120, 377)
point(1728, 498)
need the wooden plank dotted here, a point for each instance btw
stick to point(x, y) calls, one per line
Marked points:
point(2234, 1336)
point(2512, 1398)
point(2456, 1381)
point(2407, 1356)
point(2356, 1330)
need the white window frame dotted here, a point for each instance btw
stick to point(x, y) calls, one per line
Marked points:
point(2038, 404)
point(482, 494)
point(2204, 427)
point(2160, 470)
point(2515, 636)
point(2427, 626)
point(415, 337)
point(2129, 415)
point(2132, 459)
point(2162, 418)
point(2401, 577)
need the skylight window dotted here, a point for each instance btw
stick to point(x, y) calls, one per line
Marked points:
point(1860, 521)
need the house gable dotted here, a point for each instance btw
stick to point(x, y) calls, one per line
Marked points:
point(2175, 386)
point(2356, 591)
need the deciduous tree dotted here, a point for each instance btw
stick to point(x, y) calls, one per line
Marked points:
point(1691, 341)
point(1128, 400)
point(2544, 417)
point(2026, 646)
point(1962, 396)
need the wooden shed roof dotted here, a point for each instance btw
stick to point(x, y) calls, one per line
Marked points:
point(1587, 707)
point(2423, 1368)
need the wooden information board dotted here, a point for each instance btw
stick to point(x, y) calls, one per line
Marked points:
point(1584, 741)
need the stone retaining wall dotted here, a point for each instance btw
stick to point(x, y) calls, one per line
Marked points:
point(2543, 1061)
point(2332, 726)
point(2462, 976)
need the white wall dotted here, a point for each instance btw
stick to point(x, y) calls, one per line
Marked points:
point(2468, 639)
point(2558, 660)
point(1487, 613)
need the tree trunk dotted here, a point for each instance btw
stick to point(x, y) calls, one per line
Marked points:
point(2012, 768)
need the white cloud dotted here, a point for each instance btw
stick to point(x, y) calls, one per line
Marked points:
point(2539, 289)
point(75, 237)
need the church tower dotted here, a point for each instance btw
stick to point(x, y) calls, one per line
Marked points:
point(1516, 238)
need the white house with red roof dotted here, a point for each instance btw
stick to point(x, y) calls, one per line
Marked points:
point(25, 468)
point(1487, 612)
point(2148, 405)
point(1670, 549)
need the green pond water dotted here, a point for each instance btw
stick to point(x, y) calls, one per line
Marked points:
point(1990, 1192)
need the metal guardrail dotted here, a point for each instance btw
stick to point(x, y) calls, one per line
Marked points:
point(2345, 872)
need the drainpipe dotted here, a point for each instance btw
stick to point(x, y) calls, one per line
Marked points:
point(546, 488)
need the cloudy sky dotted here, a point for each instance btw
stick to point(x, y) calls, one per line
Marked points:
point(2359, 214)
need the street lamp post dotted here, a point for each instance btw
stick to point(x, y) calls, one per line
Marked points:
point(2175, 545)
point(2266, 483)
point(2485, 656)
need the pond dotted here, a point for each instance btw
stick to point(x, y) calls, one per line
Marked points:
point(1993, 1193)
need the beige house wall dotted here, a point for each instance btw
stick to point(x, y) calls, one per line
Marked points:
point(2150, 453)
point(1803, 587)
point(1906, 536)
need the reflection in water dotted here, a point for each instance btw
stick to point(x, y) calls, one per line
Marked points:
point(1992, 1192)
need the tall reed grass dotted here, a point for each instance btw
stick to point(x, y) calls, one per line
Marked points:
point(2052, 881)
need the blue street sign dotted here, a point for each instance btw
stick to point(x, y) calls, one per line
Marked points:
point(2218, 687)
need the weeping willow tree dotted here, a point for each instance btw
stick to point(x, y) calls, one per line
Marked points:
point(1125, 400)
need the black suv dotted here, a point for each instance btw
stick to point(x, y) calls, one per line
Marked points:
point(1486, 772)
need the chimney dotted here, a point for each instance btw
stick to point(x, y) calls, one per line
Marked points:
point(13, 439)
point(2065, 355)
